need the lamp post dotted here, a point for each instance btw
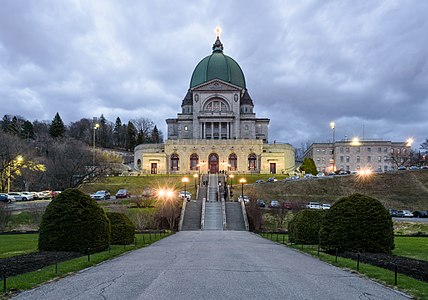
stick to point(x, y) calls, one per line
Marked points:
point(333, 126)
point(242, 181)
point(195, 176)
point(185, 180)
point(96, 126)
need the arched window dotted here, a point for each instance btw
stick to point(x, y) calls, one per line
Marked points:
point(174, 162)
point(139, 164)
point(194, 160)
point(216, 105)
point(252, 162)
point(233, 162)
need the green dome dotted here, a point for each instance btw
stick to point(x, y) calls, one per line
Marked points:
point(218, 66)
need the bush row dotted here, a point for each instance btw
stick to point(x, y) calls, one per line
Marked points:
point(356, 223)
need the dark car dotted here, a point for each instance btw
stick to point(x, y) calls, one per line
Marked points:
point(122, 193)
point(420, 214)
point(261, 203)
point(287, 205)
point(4, 198)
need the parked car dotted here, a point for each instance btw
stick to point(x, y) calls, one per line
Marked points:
point(313, 205)
point(413, 168)
point(28, 195)
point(401, 168)
point(4, 198)
point(424, 167)
point(274, 204)
point(45, 194)
point(261, 203)
point(420, 214)
point(287, 205)
point(101, 195)
point(320, 174)
point(308, 176)
point(272, 179)
point(20, 196)
point(394, 213)
point(405, 213)
point(186, 194)
point(123, 193)
point(260, 181)
point(325, 206)
point(246, 199)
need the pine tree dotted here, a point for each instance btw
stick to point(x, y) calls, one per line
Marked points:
point(57, 128)
point(155, 136)
point(309, 166)
point(117, 132)
point(28, 130)
point(131, 136)
point(15, 126)
point(6, 123)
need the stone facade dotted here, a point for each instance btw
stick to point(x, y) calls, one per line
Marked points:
point(217, 129)
point(380, 156)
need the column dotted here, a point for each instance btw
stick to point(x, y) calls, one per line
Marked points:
point(212, 130)
point(227, 130)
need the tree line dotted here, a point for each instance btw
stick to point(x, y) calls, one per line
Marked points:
point(44, 155)
point(116, 135)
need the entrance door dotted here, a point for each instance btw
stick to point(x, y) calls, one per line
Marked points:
point(273, 168)
point(213, 163)
point(154, 168)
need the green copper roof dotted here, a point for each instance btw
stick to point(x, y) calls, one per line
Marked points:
point(218, 66)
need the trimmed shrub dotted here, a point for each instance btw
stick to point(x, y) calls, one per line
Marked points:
point(122, 229)
point(305, 226)
point(358, 223)
point(74, 222)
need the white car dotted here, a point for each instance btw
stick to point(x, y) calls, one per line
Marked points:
point(313, 205)
point(246, 199)
point(101, 195)
point(24, 196)
point(325, 206)
point(188, 195)
point(405, 213)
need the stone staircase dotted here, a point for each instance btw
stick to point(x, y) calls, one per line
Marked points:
point(234, 217)
point(192, 216)
point(213, 216)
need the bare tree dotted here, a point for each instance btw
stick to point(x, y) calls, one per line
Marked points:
point(5, 215)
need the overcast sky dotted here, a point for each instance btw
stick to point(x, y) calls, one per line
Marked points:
point(306, 63)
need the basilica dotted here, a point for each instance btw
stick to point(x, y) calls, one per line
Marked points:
point(217, 129)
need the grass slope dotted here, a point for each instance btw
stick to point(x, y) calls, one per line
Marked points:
point(17, 244)
point(401, 190)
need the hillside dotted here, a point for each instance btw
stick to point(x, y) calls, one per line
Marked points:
point(401, 190)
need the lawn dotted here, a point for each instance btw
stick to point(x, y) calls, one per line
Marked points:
point(415, 247)
point(32, 279)
point(17, 244)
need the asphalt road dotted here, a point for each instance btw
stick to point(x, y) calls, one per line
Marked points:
point(213, 265)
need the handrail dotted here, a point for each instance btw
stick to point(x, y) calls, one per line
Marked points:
point(183, 209)
point(223, 209)
point(203, 213)
point(244, 215)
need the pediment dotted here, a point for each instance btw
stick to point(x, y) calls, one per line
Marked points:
point(216, 85)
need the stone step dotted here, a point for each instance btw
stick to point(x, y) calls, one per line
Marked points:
point(213, 216)
point(192, 216)
point(234, 217)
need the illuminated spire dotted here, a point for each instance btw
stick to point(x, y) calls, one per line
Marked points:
point(217, 46)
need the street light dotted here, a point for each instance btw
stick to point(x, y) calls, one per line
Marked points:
point(409, 142)
point(242, 181)
point(185, 180)
point(332, 126)
point(195, 176)
point(19, 159)
point(96, 126)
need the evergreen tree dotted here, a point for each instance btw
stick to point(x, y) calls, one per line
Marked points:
point(131, 136)
point(6, 123)
point(57, 128)
point(308, 166)
point(155, 136)
point(117, 132)
point(28, 130)
point(15, 126)
point(140, 138)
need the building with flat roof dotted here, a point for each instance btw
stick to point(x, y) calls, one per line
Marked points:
point(377, 155)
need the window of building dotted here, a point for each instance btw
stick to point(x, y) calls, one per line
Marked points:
point(347, 159)
point(194, 160)
point(186, 128)
point(341, 159)
point(379, 149)
point(174, 162)
point(341, 149)
point(139, 164)
point(379, 168)
point(369, 149)
point(358, 159)
point(385, 168)
point(318, 150)
point(358, 149)
point(369, 158)
point(385, 158)
point(379, 158)
point(216, 105)
point(385, 150)
point(347, 149)
point(233, 162)
point(318, 159)
point(347, 168)
point(252, 162)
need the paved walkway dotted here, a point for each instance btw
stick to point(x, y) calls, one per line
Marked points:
point(213, 265)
